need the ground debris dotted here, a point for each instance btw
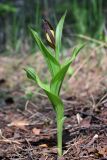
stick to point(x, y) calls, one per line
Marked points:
point(28, 126)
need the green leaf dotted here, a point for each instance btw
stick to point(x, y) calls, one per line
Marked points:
point(76, 50)
point(31, 74)
point(59, 77)
point(55, 100)
point(52, 63)
point(58, 37)
point(70, 71)
point(7, 8)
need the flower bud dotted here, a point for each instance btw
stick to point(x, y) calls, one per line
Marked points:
point(49, 33)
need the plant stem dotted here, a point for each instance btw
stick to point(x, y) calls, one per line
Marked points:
point(60, 122)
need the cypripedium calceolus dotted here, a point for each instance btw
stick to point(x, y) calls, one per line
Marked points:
point(56, 69)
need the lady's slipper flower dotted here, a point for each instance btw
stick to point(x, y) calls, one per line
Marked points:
point(49, 33)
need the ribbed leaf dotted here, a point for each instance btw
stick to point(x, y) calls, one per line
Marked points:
point(58, 37)
point(52, 63)
point(59, 77)
point(31, 74)
point(55, 100)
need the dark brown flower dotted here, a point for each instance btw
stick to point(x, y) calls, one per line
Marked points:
point(49, 33)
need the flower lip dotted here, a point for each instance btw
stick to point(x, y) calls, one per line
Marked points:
point(49, 33)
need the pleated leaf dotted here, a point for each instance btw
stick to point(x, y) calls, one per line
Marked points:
point(58, 37)
point(59, 77)
point(52, 63)
point(55, 100)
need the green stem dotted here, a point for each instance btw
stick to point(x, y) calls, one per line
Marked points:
point(60, 121)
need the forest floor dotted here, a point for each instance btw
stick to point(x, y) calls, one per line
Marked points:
point(27, 121)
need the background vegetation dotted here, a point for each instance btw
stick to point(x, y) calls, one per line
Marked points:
point(84, 18)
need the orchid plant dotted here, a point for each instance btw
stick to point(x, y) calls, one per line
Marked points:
point(57, 71)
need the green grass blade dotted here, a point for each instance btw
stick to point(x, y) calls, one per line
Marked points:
point(7, 8)
point(52, 63)
point(59, 36)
